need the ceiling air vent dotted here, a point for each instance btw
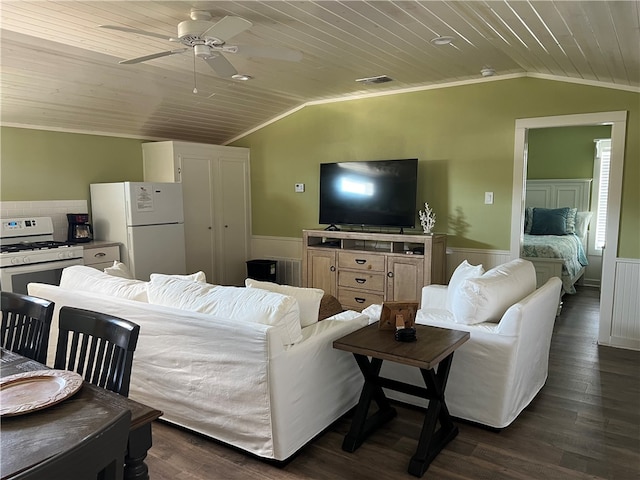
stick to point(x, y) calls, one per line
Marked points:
point(373, 80)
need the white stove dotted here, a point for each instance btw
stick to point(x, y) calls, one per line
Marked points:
point(28, 253)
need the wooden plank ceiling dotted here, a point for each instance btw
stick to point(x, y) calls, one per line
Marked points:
point(60, 71)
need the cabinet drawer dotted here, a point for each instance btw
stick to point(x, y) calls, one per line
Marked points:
point(357, 299)
point(362, 280)
point(361, 261)
point(101, 255)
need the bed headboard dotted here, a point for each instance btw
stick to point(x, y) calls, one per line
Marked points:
point(568, 192)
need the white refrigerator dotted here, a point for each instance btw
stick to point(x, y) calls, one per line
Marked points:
point(147, 219)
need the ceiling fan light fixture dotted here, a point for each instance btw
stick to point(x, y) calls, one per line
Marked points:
point(444, 40)
point(242, 77)
point(201, 51)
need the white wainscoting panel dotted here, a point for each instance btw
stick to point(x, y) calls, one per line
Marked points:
point(488, 258)
point(286, 251)
point(625, 323)
point(276, 247)
point(56, 209)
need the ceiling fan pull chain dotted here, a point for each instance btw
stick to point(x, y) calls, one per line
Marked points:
point(195, 84)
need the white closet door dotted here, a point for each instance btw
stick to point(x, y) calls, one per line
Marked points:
point(232, 205)
point(196, 177)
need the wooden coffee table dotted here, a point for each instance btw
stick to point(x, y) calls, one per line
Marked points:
point(434, 348)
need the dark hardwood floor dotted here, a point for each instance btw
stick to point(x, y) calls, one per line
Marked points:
point(584, 424)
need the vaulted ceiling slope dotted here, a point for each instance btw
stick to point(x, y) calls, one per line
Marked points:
point(60, 70)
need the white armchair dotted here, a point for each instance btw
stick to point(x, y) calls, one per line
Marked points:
point(499, 371)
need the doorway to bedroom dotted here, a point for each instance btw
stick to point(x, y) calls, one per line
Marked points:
point(618, 122)
point(565, 161)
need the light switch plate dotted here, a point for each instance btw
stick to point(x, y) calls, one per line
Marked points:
point(488, 198)
point(299, 187)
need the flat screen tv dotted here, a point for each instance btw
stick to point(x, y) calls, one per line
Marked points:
point(378, 193)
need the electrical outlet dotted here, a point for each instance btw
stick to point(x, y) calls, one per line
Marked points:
point(299, 187)
point(488, 198)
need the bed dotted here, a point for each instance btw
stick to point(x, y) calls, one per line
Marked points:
point(557, 218)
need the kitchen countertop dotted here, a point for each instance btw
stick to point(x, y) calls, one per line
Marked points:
point(98, 244)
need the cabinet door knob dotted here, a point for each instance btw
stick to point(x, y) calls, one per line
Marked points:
point(390, 274)
point(332, 268)
point(209, 228)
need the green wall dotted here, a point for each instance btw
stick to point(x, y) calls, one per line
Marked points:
point(463, 137)
point(565, 152)
point(45, 165)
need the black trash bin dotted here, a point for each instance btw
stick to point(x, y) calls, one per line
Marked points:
point(264, 270)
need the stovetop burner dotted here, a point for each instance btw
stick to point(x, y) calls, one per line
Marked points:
point(30, 246)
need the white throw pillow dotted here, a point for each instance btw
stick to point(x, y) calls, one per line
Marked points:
point(88, 279)
point(252, 305)
point(194, 277)
point(308, 298)
point(462, 272)
point(118, 269)
point(582, 224)
point(485, 299)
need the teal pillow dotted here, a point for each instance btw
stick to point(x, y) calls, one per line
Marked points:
point(528, 218)
point(549, 221)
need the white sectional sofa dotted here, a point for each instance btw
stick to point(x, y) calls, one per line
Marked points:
point(502, 367)
point(240, 368)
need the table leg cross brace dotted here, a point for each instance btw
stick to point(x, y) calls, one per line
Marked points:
point(432, 440)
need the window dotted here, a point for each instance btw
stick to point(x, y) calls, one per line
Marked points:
point(599, 196)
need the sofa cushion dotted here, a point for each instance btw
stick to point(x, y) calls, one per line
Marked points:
point(193, 277)
point(308, 298)
point(242, 304)
point(485, 299)
point(118, 269)
point(88, 279)
point(462, 272)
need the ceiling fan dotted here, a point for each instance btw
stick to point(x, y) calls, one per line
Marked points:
point(208, 40)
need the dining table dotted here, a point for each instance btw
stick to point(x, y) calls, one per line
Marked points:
point(31, 436)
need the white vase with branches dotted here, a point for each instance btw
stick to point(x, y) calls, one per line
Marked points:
point(427, 219)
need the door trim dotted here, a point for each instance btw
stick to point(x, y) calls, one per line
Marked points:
point(618, 122)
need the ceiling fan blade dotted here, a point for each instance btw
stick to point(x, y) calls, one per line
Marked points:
point(136, 31)
point(221, 66)
point(269, 52)
point(152, 56)
point(227, 28)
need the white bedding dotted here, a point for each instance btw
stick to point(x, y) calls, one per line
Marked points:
point(568, 248)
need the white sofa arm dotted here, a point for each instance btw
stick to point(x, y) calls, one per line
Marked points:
point(434, 296)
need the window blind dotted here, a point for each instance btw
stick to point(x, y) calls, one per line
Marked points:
point(601, 175)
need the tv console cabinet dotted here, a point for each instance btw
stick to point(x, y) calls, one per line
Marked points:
point(361, 269)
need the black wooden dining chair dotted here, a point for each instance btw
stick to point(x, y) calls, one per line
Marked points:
point(97, 346)
point(26, 323)
point(98, 456)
